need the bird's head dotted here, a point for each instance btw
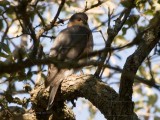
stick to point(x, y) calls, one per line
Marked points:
point(78, 19)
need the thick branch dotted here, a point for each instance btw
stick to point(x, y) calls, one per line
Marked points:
point(91, 88)
point(101, 95)
point(17, 113)
point(15, 67)
point(151, 38)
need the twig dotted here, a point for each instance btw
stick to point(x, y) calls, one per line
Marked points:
point(6, 30)
point(150, 70)
point(51, 37)
point(102, 36)
point(14, 67)
point(93, 6)
point(40, 16)
point(48, 27)
point(9, 38)
point(107, 45)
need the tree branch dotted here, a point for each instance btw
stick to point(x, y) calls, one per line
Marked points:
point(151, 38)
point(101, 95)
point(112, 32)
point(15, 67)
point(48, 27)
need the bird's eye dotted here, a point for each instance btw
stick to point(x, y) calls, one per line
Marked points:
point(79, 19)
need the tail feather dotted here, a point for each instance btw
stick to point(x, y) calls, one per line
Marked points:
point(54, 83)
point(54, 87)
point(52, 96)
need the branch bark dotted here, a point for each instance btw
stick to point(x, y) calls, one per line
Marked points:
point(150, 39)
point(97, 92)
point(101, 95)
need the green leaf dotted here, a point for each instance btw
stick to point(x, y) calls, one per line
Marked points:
point(10, 12)
point(149, 12)
point(5, 47)
point(152, 99)
point(8, 97)
point(4, 3)
point(138, 108)
point(68, 3)
point(124, 30)
point(142, 71)
point(156, 118)
point(133, 19)
point(3, 55)
point(126, 3)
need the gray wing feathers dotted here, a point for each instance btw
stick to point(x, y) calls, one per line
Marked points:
point(52, 96)
point(68, 45)
point(54, 84)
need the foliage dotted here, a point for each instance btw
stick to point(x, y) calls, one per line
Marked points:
point(21, 28)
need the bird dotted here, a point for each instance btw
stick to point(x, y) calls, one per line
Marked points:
point(70, 44)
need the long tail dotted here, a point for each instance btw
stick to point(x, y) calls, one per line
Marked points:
point(52, 96)
point(55, 82)
point(54, 87)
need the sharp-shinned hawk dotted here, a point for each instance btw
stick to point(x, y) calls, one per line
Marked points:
point(69, 45)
